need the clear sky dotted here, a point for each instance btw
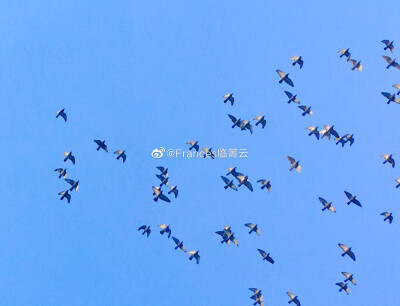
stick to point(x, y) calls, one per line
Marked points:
point(145, 74)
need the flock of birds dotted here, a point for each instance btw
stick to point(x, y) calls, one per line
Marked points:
point(226, 233)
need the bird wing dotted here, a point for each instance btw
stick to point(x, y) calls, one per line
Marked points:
point(118, 152)
point(303, 107)
point(164, 198)
point(281, 73)
point(66, 153)
point(262, 253)
point(357, 202)
point(156, 191)
point(59, 170)
point(225, 179)
point(234, 240)
point(197, 256)
point(258, 231)
point(351, 254)
point(291, 159)
point(176, 240)
point(263, 123)
point(298, 168)
point(163, 226)
point(295, 58)
point(233, 118)
point(240, 177)
point(334, 133)
point(251, 225)
point(160, 168)
point(269, 258)
point(386, 94)
point(226, 95)
point(385, 214)
point(143, 227)
point(289, 94)
point(64, 115)
point(221, 233)
point(72, 158)
point(257, 118)
point(191, 253)
point(387, 58)
point(385, 41)
point(343, 51)
point(353, 61)
point(396, 64)
point(71, 182)
point(348, 194)
point(248, 185)
point(291, 295)
point(98, 142)
point(332, 209)
point(323, 201)
point(344, 247)
point(191, 142)
point(289, 81)
point(310, 128)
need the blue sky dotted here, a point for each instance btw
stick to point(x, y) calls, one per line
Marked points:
point(145, 74)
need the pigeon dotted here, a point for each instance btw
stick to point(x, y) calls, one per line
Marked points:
point(62, 113)
point(179, 244)
point(208, 153)
point(68, 155)
point(229, 97)
point(306, 110)
point(236, 122)
point(65, 194)
point(265, 184)
point(194, 254)
point(163, 179)
point(397, 86)
point(63, 172)
point(390, 97)
point(345, 52)
point(245, 124)
point(293, 298)
point(356, 64)
point(266, 256)
point(174, 190)
point(233, 172)
point(101, 145)
point(297, 60)
point(193, 145)
point(159, 195)
point(388, 159)
point(343, 286)
point(326, 134)
point(228, 183)
point(347, 251)
point(294, 164)
point(259, 300)
point(313, 130)
point(292, 98)
point(243, 180)
point(256, 292)
point(260, 120)
point(227, 236)
point(388, 216)
point(344, 139)
point(349, 277)
point(121, 154)
point(391, 62)
point(398, 182)
point(284, 77)
point(165, 229)
point(352, 199)
point(253, 228)
point(146, 230)
point(329, 129)
point(74, 185)
point(327, 205)
point(389, 45)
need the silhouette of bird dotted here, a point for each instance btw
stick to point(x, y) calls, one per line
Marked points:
point(344, 139)
point(68, 155)
point(266, 256)
point(331, 130)
point(294, 164)
point(159, 195)
point(236, 122)
point(260, 120)
point(388, 159)
point(325, 133)
point(297, 60)
point(228, 183)
point(347, 251)
point(229, 97)
point(179, 244)
point(391, 62)
point(292, 98)
point(313, 130)
point(356, 64)
point(165, 229)
point(389, 45)
point(174, 190)
point(163, 179)
point(352, 199)
point(343, 286)
point(327, 205)
point(388, 216)
point(244, 180)
point(253, 228)
point(285, 78)
point(63, 172)
point(293, 298)
point(74, 185)
point(306, 110)
point(65, 194)
point(245, 124)
point(146, 230)
point(62, 113)
point(265, 184)
point(194, 254)
point(346, 53)
point(101, 145)
point(193, 145)
point(121, 154)
point(349, 277)
point(208, 153)
point(390, 97)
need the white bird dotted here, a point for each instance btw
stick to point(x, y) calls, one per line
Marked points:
point(313, 130)
point(297, 60)
point(356, 64)
point(194, 254)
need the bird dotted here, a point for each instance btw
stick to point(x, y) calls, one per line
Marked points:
point(232, 170)
point(245, 124)
point(159, 195)
point(65, 194)
point(352, 199)
point(256, 292)
point(243, 180)
point(174, 190)
point(228, 183)
point(356, 64)
point(325, 133)
point(146, 230)
point(388, 216)
point(163, 179)
point(63, 172)
point(398, 182)
point(193, 145)
point(229, 97)
point(294, 164)
point(62, 113)
point(194, 254)
point(343, 286)
point(236, 122)
point(297, 60)
point(391, 62)
point(227, 236)
point(259, 300)
point(260, 120)
point(164, 171)
point(313, 130)
point(344, 139)
point(347, 251)
point(208, 153)
point(121, 154)
point(331, 130)
point(253, 228)
point(390, 97)
point(284, 77)
point(101, 145)
point(389, 45)
point(179, 244)
point(68, 155)
point(345, 52)
point(165, 229)
point(292, 98)
point(306, 110)
point(327, 205)
point(293, 298)
point(266, 256)
point(397, 86)
point(349, 277)
point(388, 159)
point(265, 184)
point(74, 185)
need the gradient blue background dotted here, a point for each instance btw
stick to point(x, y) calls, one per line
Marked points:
point(145, 74)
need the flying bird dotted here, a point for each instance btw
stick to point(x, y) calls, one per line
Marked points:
point(297, 60)
point(68, 155)
point(194, 254)
point(388, 159)
point(101, 145)
point(266, 256)
point(343, 286)
point(389, 45)
point(121, 154)
point(65, 194)
point(391, 62)
point(63, 172)
point(193, 145)
point(349, 277)
point(292, 98)
point(398, 182)
point(345, 139)
point(74, 185)
point(265, 184)
point(284, 77)
point(236, 122)
point(174, 190)
point(165, 229)
point(260, 120)
point(256, 292)
point(244, 180)
point(327, 205)
point(356, 64)
point(325, 133)
point(388, 216)
point(347, 251)
point(352, 199)
point(306, 110)
point(329, 129)
point(253, 228)
point(397, 86)
point(163, 179)
point(232, 170)
point(293, 298)
point(345, 52)
point(245, 124)
point(229, 97)
point(62, 113)
point(294, 164)
point(159, 195)
point(146, 230)
point(390, 97)
point(208, 153)
point(259, 300)
point(313, 130)
point(179, 244)
point(228, 183)
point(227, 236)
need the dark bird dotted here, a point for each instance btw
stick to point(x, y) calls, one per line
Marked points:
point(101, 145)
point(292, 98)
point(306, 110)
point(260, 120)
point(208, 153)
point(74, 185)
point(174, 190)
point(389, 45)
point(229, 97)
point(194, 254)
point(293, 298)
point(329, 129)
point(233, 172)
point(121, 154)
point(193, 145)
point(62, 113)
point(297, 60)
point(245, 124)
point(398, 182)
point(347, 251)
point(236, 122)
point(397, 86)
point(163, 179)
point(63, 172)
point(352, 199)
point(228, 183)
point(68, 155)
point(159, 195)
point(265, 184)
point(343, 286)
point(244, 180)
point(294, 164)
point(349, 277)
point(253, 228)
point(284, 77)
point(227, 236)
point(65, 194)
point(313, 130)
point(179, 244)
point(327, 205)
point(388, 159)
point(391, 62)
point(164, 171)
point(388, 216)
point(356, 64)
point(165, 229)
point(390, 97)
point(146, 230)
point(266, 256)
point(345, 52)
